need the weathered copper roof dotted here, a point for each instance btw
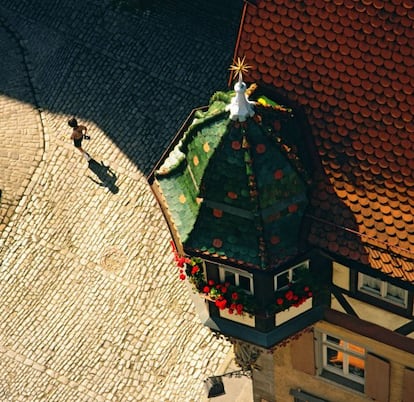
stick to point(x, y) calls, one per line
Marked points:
point(350, 65)
point(237, 191)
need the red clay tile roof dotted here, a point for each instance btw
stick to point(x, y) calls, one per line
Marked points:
point(350, 65)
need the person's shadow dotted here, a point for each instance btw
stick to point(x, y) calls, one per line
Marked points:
point(107, 177)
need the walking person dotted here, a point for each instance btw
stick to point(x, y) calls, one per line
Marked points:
point(78, 134)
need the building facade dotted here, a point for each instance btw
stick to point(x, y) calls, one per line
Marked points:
point(291, 205)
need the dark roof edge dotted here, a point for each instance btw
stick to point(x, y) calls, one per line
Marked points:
point(370, 330)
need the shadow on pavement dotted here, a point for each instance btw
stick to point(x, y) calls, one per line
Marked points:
point(107, 177)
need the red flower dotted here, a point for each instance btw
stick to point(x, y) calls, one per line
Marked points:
point(295, 297)
point(227, 284)
point(279, 301)
point(223, 289)
point(235, 296)
point(195, 270)
point(233, 306)
point(181, 261)
point(306, 288)
point(289, 295)
point(182, 277)
point(211, 282)
point(221, 304)
point(310, 294)
point(206, 289)
point(239, 308)
point(231, 311)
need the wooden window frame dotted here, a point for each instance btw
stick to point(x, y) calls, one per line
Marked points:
point(338, 375)
point(237, 274)
point(383, 291)
point(290, 271)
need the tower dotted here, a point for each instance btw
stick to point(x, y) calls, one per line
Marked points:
point(234, 189)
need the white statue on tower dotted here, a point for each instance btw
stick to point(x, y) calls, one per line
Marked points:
point(240, 107)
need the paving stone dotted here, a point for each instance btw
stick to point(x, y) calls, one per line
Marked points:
point(81, 317)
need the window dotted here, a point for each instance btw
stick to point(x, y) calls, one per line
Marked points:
point(301, 396)
point(237, 277)
point(383, 290)
point(289, 276)
point(342, 361)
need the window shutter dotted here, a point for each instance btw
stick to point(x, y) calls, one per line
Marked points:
point(408, 385)
point(302, 353)
point(377, 378)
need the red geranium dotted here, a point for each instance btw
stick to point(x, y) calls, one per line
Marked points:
point(235, 296)
point(221, 303)
point(195, 270)
point(206, 289)
point(289, 295)
point(279, 301)
point(182, 277)
point(211, 282)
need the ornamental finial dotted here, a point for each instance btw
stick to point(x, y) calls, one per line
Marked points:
point(239, 67)
point(240, 107)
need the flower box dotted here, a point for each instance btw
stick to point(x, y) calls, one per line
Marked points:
point(292, 312)
point(244, 318)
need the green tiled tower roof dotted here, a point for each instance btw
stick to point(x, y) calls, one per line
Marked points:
point(235, 186)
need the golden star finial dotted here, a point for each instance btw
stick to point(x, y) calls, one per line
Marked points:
point(239, 67)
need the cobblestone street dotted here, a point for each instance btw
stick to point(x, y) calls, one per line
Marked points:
point(90, 302)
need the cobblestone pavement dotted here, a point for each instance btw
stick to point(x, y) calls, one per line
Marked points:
point(90, 305)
